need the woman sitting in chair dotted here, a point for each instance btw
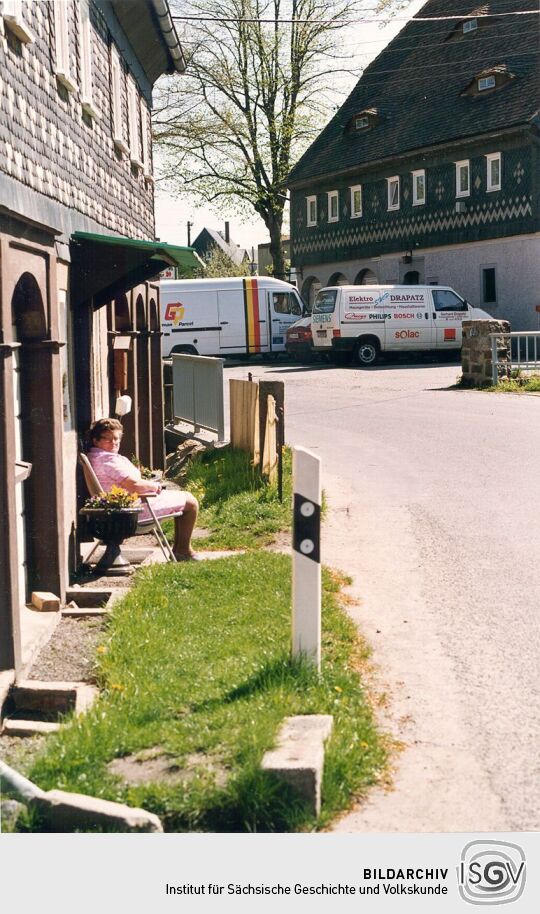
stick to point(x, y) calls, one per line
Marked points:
point(112, 469)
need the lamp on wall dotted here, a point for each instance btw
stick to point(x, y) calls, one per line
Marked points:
point(407, 257)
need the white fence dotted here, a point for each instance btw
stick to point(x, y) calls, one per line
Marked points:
point(198, 393)
point(524, 353)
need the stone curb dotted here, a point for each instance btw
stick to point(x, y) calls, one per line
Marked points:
point(298, 757)
point(65, 812)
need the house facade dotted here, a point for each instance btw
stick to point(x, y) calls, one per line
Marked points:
point(209, 240)
point(430, 171)
point(78, 265)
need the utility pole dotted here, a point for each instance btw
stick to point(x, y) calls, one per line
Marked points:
point(189, 227)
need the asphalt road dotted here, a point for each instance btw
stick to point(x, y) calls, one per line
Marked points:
point(434, 510)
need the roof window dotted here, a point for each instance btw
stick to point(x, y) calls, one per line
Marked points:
point(364, 120)
point(486, 82)
point(470, 25)
point(489, 80)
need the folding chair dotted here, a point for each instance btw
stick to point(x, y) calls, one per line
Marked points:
point(151, 525)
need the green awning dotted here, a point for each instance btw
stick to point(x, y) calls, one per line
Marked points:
point(106, 266)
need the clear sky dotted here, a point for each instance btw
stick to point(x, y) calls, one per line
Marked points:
point(364, 42)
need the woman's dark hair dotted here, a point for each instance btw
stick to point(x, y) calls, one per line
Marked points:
point(101, 426)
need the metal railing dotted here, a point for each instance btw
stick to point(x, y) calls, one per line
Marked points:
point(523, 353)
point(198, 393)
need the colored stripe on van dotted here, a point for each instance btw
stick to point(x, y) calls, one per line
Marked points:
point(251, 309)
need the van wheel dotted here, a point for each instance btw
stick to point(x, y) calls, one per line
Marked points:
point(366, 352)
point(184, 350)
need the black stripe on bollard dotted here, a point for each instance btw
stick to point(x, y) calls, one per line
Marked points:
point(307, 527)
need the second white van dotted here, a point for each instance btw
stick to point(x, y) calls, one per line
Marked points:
point(363, 321)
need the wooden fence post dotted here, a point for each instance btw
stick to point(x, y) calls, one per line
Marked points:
point(244, 412)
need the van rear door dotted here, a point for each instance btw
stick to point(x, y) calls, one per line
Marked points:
point(449, 311)
point(324, 317)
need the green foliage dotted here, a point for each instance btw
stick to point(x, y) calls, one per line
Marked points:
point(196, 674)
point(146, 472)
point(217, 264)
point(238, 506)
point(529, 384)
point(254, 94)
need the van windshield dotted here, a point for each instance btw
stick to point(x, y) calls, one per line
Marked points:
point(325, 301)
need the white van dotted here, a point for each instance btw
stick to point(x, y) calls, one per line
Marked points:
point(364, 321)
point(238, 316)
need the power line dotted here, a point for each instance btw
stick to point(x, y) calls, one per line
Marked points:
point(386, 19)
point(428, 46)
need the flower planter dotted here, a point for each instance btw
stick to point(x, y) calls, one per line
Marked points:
point(112, 527)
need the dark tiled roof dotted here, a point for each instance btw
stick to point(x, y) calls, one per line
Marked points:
point(208, 237)
point(417, 81)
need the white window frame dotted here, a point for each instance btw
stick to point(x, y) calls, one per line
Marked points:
point(333, 195)
point(490, 159)
point(61, 47)
point(146, 125)
point(417, 199)
point(85, 39)
point(309, 201)
point(462, 164)
point(394, 181)
point(134, 114)
point(13, 19)
point(119, 138)
point(361, 122)
point(486, 82)
point(470, 25)
point(356, 213)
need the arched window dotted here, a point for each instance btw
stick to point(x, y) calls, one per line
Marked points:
point(411, 278)
point(366, 278)
point(309, 289)
point(337, 279)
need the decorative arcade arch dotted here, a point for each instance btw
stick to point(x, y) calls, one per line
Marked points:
point(366, 277)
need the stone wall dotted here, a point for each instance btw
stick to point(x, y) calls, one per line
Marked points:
point(476, 352)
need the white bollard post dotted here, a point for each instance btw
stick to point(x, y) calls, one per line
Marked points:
point(306, 576)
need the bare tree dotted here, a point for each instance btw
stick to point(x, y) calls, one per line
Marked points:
point(254, 94)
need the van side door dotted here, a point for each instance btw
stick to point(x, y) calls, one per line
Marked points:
point(449, 311)
point(407, 314)
point(284, 308)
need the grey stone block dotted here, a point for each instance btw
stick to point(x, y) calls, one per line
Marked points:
point(298, 757)
point(66, 812)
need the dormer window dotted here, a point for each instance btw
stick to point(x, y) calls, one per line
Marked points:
point(486, 82)
point(470, 25)
point(489, 80)
point(364, 120)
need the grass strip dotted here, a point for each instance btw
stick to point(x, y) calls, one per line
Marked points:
point(518, 385)
point(239, 508)
point(196, 679)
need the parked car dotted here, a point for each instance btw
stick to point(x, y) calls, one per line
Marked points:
point(299, 341)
